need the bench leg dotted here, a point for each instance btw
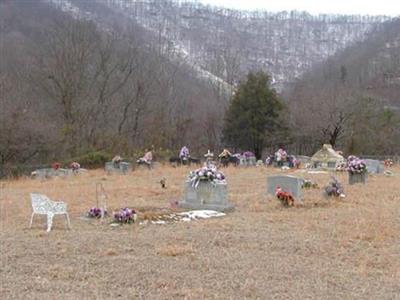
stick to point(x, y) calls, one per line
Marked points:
point(68, 223)
point(49, 221)
point(30, 224)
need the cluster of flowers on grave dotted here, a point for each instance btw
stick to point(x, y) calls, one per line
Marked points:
point(56, 165)
point(95, 212)
point(334, 189)
point(284, 197)
point(75, 166)
point(207, 173)
point(388, 162)
point(341, 166)
point(356, 165)
point(125, 215)
point(309, 184)
point(281, 155)
point(248, 154)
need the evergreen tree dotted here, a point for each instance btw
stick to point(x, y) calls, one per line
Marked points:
point(254, 113)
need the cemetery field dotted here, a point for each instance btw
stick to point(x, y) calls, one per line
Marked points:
point(326, 249)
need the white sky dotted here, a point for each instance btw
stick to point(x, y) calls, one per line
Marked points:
point(361, 7)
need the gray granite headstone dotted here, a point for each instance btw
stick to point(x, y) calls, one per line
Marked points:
point(374, 166)
point(121, 168)
point(43, 173)
point(49, 173)
point(288, 183)
point(206, 196)
point(247, 161)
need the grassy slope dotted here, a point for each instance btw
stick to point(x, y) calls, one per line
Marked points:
point(338, 249)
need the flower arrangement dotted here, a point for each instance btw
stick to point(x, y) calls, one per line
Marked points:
point(285, 197)
point(55, 166)
point(334, 189)
point(388, 162)
point(341, 166)
point(281, 155)
point(308, 184)
point(95, 212)
point(75, 166)
point(248, 154)
point(125, 215)
point(356, 165)
point(207, 173)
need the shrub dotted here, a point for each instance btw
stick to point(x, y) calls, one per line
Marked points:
point(92, 160)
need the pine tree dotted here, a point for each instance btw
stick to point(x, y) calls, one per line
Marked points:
point(253, 112)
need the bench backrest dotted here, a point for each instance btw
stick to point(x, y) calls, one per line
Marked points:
point(41, 204)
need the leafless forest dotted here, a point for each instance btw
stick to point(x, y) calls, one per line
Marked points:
point(81, 76)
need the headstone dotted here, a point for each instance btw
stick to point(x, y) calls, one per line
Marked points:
point(303, 159)
point(326, 158)
point(259, 163)
point(374, 166)
point(206, 196)
point(288, 183)
point(122, 167)
point(247, 161)
point(49, 173)
point(357, 178)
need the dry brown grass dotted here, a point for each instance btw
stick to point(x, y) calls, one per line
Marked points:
point(175, 249)
point(325, 249)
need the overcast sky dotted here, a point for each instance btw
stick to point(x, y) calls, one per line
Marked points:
point(371, 7)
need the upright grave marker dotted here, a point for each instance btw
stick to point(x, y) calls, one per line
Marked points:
point(287, 183)
point(206, 189)
point(122, 167)
point(374, 166)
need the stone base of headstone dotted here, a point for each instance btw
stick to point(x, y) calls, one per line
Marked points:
point(206, 196)
point(121, 168)
point(357, 178)
point(287, 183)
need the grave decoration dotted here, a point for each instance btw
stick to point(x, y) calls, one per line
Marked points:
point(357, 170)
point(246, 158)
point(281, 159)
point(309, 184)
point(125, 216)
point(55, 166)
point(206, 189)
point(75, 166)
point(208, 173)
point(388, 162)
point(187, 216)
point(285, 197)
point(334, 189)
point(163, 183)
point(341, 166)
point(356, 165)
point(281, 156)
point(96, 213)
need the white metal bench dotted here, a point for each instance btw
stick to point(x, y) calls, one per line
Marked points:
point(42, 205)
